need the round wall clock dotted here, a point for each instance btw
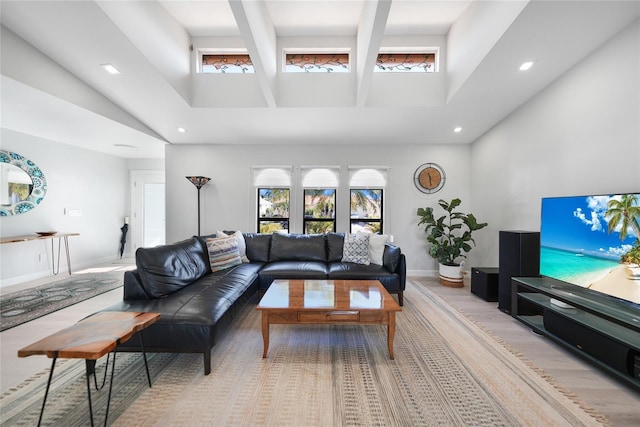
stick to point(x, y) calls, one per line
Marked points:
point(429, 178)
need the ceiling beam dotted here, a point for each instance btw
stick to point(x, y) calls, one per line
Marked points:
point(152, 29)
point(259, 36)
point(475, 34)
point(370, 33)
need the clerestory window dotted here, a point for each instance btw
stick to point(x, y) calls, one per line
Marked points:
point(231, 63)
point(320, 61)
point(406, 62)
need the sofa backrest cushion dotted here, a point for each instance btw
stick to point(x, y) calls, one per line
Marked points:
point(335, 242)
point(166, 269)
point(258, 246)
point(298, 247)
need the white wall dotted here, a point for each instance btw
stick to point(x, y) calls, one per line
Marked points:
point(228, 201)
point(95, 183)
point(581, 135)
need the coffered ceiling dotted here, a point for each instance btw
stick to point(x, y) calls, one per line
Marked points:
point(53, 84)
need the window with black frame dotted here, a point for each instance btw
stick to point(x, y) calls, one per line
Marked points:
point(366, 210)
point(273, 210)
point(366, 196)
point(319, 210)
point(273, 189)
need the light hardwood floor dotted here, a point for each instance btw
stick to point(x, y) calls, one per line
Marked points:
point(617, 402)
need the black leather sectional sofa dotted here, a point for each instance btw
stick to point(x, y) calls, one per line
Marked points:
point(196, 304)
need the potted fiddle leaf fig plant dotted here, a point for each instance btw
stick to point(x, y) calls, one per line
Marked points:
point(449, 237)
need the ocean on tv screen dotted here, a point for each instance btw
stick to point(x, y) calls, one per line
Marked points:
point(590, 241)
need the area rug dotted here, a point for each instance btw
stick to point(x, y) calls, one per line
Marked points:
point(19, 307)
point(447, 372)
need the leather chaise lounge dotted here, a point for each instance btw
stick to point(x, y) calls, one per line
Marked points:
point(196, 304)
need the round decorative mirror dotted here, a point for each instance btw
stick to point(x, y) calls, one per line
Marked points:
point(22, 184)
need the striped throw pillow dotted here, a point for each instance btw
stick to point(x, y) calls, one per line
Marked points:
point(223, 252)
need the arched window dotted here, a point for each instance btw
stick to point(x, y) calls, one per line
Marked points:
point(319, 184)
point(366, 190)
point(273, 185)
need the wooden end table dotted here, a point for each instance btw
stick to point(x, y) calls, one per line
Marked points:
point(90, 339)
point(362, 302)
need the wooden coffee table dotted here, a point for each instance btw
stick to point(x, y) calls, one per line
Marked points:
point(90, 339)
point(361, 302)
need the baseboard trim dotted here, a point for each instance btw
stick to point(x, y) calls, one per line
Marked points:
point(17, 280)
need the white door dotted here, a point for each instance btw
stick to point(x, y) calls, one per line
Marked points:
point(147, 209)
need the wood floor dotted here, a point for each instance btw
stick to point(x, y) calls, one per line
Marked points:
point(617, 402)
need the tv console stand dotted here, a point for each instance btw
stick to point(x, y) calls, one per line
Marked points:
point(601, 329)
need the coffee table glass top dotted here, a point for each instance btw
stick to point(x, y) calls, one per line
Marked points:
point(328, 295)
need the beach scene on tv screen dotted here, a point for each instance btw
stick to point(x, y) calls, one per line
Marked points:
point(593, 242)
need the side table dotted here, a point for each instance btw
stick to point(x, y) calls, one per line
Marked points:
point(90, 339)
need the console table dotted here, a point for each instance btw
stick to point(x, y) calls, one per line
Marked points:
point(60, 236)
point(601, 329)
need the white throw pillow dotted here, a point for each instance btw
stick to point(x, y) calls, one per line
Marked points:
point(376, 247)
point(356, 248)
point(242, 245)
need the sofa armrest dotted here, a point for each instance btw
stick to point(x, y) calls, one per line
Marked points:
point(395, 261)
point(391, 257)
point(402, 272)
point(133, 288)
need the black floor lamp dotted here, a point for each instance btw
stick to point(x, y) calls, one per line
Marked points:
point(198, 181)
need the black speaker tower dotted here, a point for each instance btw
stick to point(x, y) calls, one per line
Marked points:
point(519, 256)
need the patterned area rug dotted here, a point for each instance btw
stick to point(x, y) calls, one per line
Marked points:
point(447, 372)
point(19, 307)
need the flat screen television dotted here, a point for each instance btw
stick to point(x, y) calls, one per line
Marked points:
point(592, 241)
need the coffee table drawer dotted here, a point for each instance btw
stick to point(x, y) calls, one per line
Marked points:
point(328, 316)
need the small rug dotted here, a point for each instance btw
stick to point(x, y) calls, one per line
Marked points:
point(447, 372)
point(19, 307)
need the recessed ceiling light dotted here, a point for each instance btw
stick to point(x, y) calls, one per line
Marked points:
point(182, 130)
point(457, 129)
point(526, 65)
point(110, 69)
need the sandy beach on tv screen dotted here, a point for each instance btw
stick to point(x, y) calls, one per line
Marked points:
point(622, 282)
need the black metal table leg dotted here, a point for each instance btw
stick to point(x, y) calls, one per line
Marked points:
point(91, 370)
point(46, 393)
point(90, 365)
point(113, 368)
point(144, 356)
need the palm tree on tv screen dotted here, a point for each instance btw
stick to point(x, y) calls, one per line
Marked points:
point(624, 213)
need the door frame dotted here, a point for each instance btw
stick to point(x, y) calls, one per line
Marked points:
point(137, 181)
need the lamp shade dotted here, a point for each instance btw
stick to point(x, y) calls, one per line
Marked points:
point(198, 181)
